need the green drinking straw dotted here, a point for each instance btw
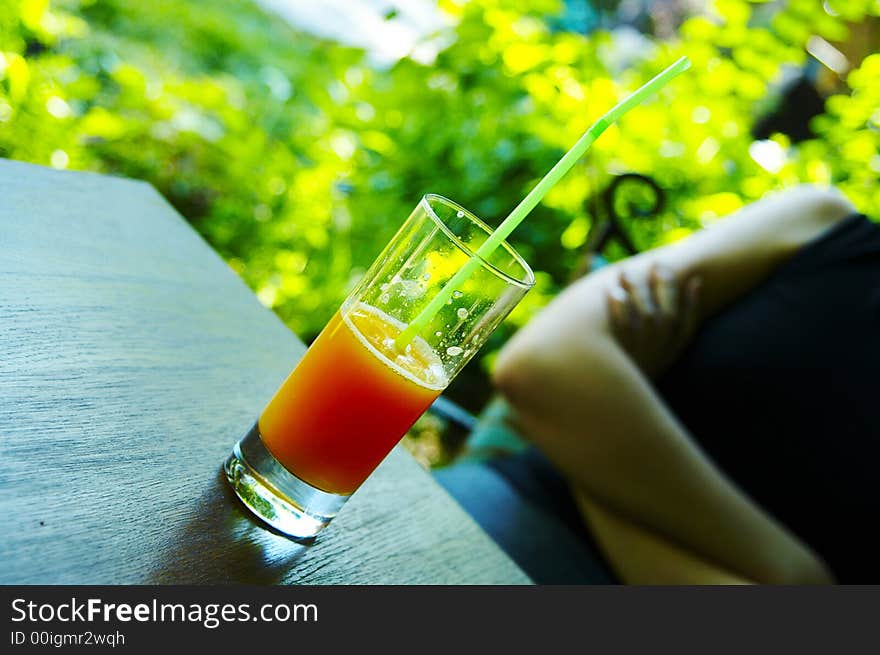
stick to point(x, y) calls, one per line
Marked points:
point(536, 195)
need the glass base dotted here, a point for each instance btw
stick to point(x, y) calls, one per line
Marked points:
point(270, 491)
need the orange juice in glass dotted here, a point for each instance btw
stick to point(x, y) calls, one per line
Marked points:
point(426, 305)
point(357, 390)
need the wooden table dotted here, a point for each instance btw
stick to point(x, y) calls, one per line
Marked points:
point(131, 359)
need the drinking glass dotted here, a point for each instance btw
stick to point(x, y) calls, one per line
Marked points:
point(356, 392)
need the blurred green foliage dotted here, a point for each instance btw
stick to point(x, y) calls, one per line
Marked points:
point(297, 159)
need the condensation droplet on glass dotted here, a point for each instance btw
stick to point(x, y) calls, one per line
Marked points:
point(384, 287)
point(438, 333)
point(456, 294)
point(453, 351)
point(460, 214)
point(426, 277)
point(384, 298)
point(462, 312)
point(410, 288)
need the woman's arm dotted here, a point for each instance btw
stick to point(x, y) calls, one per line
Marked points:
point(590, 406)
point(640, 556)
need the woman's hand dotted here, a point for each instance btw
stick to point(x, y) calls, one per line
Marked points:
point(653, 315)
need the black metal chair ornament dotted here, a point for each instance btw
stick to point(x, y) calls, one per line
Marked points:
point(609, 226)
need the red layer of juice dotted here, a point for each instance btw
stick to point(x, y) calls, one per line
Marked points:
point(349, 400)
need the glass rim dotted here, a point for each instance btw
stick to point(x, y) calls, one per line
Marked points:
point(527, 284)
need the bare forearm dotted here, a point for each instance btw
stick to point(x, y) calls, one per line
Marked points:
point(733, 255)
point(640, 556)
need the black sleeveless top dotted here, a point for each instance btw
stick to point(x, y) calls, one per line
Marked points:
point(782, 391)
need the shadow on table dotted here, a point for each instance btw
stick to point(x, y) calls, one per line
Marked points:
point(223, 543)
